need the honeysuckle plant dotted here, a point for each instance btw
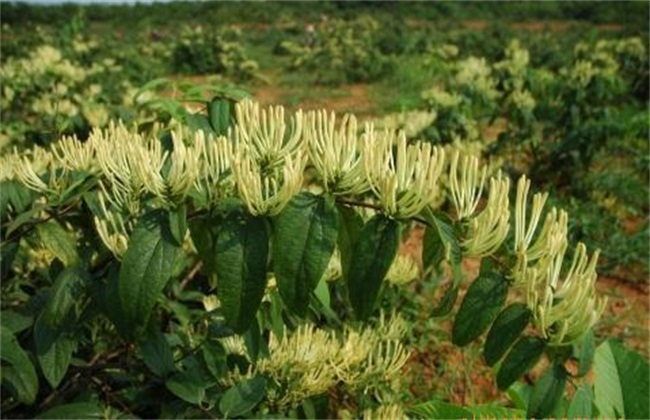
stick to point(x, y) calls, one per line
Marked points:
point(210, 250)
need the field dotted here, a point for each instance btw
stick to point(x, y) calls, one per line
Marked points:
point(185, 234)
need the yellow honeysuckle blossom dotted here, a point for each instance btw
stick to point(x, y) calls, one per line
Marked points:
point(267, 193)
point(565, 311)
point(465, 184)
point(265, 134)
point(335, 153)
point(404, 182)
point(487, 231)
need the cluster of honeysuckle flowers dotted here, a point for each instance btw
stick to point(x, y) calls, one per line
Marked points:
point(311, 361)
point(263, 160)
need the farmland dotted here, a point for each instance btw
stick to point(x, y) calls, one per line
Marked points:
point(340, 209)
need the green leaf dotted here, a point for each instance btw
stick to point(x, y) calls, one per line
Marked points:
point(581, 406)
point(8, 253)
point(146, 269)
point(436, 409)
point(20, 375)
point(434, 248)
point(202, 237)
point(622, 382)
point(350, 226)
point(157, 353)
point(372, 255)
point(24, 217)
point(15, 321)
point(243, 397)
point(584, 352)
point(59, 241)
point(187, 387)
point(67, 288)
point(214, 356)
point(508, 326)
point(547, 392)
point(481, 305)
point(198, 122)
point(304, 238)
point(253, 340)
point(447, 302)
point(220, 113)
point(241, 248)
point(53, 351)
point(82, 410)
point(178, 224)
point(521, 357)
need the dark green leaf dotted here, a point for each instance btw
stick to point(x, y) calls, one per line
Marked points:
point(243, 397)
point(585, 353)
point(83, 410)
point(581, 406)
point(18, 195)
point(157, 353)
point(59, 241)
point(304, 238)
point(53, 351)
point(508, 326)
point(622, 382)
point(67, 288)
point(146, 269)
point(547, 392)
point(481, 305)
point(19, 375)
point(373, 255)
point(24, 217)
point(436, 409)
point(214, 356)
point(433, 248)
point(15, 321)
point(521, 357)
point(220, 112)
point(241, 249)
point(350, 226)
point(187, 387)
point(198, 122)
point(253, 339)
point(8, 252)
point(202, 237)
point(178, 224)
point(447, 302)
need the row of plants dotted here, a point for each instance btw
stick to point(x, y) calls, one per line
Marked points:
point(233, 262)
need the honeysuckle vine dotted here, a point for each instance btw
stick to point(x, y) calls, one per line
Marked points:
point(263, 160)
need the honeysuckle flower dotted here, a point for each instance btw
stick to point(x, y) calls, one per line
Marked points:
point(524, 232)
point(111, 230)
point(334, 152)
point(214, 171)
point(565, 311)
point(267, 192)
point(74, 155)
point(466, 184)
point(264, 132)
point(185, 166)
point(487, 231)
point(404, 182)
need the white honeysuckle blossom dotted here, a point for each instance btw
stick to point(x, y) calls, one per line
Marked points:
point(265, 134)
point(524, 232)
point(214, 173)
point(334, 152)
point(465, 184)
point(565, 311)
point(404, 182)
point(74, 155)
point(487, 231)
point(267, 192)
point(185, 166)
